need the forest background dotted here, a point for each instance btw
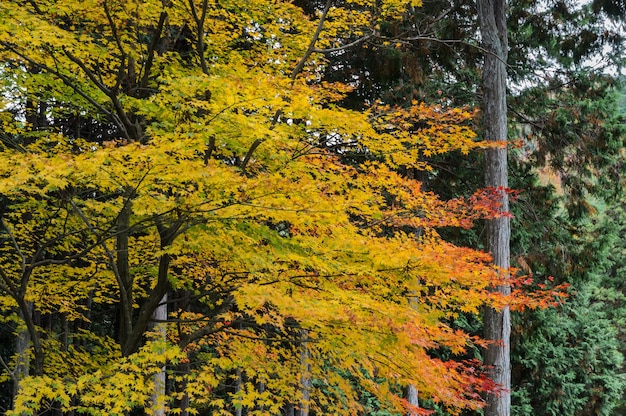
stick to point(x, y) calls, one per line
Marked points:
point(267, 207)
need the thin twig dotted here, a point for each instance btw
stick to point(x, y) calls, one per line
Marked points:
point(346, 46)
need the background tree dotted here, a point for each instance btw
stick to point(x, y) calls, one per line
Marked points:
point(493, 30)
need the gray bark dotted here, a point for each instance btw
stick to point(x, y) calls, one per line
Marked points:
point(160, 316)
point(289, 410)
point(305, 377)
point(410, 394)
point(492, 16)
point(22, 344)
point(238, 384)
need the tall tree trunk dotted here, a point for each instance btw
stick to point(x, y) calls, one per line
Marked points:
point(305, 377)
point(183, 403)
point(411, 396)
point(22, 343)
point(238, 387)
point(492, 16)
point(158, 398)
point(122, 267)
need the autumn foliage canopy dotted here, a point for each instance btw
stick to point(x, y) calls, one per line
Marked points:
point(165, 154)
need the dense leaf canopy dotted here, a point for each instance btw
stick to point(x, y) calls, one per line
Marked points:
point(167, 153)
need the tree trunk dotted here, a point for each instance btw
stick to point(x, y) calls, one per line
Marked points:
point(22, 343)
point(122, 267)
point(289, 410)
point(492, 16)
point(158, 398)
point(305, 377)
point(410, 394)
point(238, 387)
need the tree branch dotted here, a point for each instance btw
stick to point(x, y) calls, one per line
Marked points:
point(116, 35)
point(311, 47)
point(167, 236)
point(124, 295)
point(199, 20)
point(143, 84)
point(70, 83)
point(209, 150)
point(248, 155)
point(346, 46)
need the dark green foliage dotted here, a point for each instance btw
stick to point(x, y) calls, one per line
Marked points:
point(574, 132)
point(568, 359)
point(613, 8)
point(613, 292)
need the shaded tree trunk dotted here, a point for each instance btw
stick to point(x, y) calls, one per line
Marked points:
point(492, 16)
point(238, 384)
point(22, 343)
point(305, 378)
point(410, 394)
point(158, 401)
point(121, 267)
point(289, 410)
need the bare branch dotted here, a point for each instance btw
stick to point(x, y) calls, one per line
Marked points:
point(446, 42)
point(346, 46)
point(101, 86)
point(199, 20)
point(116, 35)
point(14, 242)
point(70, 83)
point(124, 295)
point(143, 85)
point(311, 47)
point(8, 370)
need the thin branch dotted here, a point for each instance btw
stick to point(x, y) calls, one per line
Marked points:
point(18, 296)
point(124, 295)
point(111, 93)
point(8, 285)
point(270, 339)
point(199, 20)
point(525, 119)
point(346, 46)
point(8, 370)
point(70, 83)
point(143, 85)
point(101, 86)
point(446, 42)
point(228, 107)
point(14, 242)
point(311, 47)
point(116, 35)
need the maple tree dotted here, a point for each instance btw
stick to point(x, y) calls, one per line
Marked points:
point(167, 154)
